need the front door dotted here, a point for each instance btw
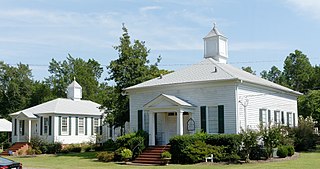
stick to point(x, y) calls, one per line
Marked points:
point(171, 125)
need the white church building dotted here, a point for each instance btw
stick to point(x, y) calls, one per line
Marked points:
point(212, 96)
point(66, 120)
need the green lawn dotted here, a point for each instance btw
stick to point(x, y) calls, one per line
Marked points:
point(86, 160)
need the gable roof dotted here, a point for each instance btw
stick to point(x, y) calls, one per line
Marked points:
point(5, 125)
point(64, 106)
point(177, 101)
point(209, 70)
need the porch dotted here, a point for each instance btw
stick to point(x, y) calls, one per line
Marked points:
point(168, 116)
point(24, 126)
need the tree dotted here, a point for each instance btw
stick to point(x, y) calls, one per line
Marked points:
point(249, 70)
point(41, 93)
point(298, 72)
point(131, 67)
point(15, 88)
point(309, 105)
point(87, 74)
point(316, 77)
point(274, 75)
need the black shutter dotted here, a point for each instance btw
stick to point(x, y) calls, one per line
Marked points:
point(23, 127)
point(86, 126)
point(41, 125)
point(100, 126)
point(139, 119)
point(275, 117)
point(59, 125)
point(294, 119)
point(77, 125)
point(50, 123)
point(260, 116)
point(70, 125)
point(282, 117)
point(203, 118)
point(221, 119)
point(15, 127)
point(269, 116)
point(155, 123)
point(288, 122)
point(91, 125)
point(110, 132)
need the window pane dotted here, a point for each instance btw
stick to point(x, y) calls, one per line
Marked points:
point(64, 125)
point(81, 125)
point(213, 119)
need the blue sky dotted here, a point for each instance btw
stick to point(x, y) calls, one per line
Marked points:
point(260, 33)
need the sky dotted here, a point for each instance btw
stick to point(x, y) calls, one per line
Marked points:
point(260, 33)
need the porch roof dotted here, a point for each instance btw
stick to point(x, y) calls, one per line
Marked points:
point(5, 125)
point(170, 99)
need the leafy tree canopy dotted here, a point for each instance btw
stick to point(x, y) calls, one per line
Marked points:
point(249, 70)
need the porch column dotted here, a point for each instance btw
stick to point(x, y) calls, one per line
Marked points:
point(29, 131)
point(152, 135)
point(179, 122)
point(18, 130)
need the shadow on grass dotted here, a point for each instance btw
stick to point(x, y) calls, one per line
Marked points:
point(83, 155)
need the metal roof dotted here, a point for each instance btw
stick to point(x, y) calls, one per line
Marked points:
point(214, 32)
point(74, 84)
point(64, 106)
point(5, 125)
point(209, 70)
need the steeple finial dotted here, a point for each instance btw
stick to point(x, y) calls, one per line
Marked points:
point(214, 25)
point(74, 78)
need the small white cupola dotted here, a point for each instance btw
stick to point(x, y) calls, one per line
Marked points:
point(216, 46)
point(74, 91)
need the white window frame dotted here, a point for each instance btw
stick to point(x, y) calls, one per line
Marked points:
point(66, 132)
point(290, 120)
point(277, 119)
point(264, 114)
point(81, 131)
point(45, 125)
point(96, 126)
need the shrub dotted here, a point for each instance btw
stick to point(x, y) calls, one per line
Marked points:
point(304, 137)
point(271, 137)
point(258, 153)
point(230, 144)
point(282, 152)
point(136, 142)
point(165, 154)
point(109, 145)
point(249, 142)
point(105, 156)
point(196, 152)
point(290, 150)
point(30, 151)
point(117, 154)
point(72, 148)
point(54, 148)
point(126, 153)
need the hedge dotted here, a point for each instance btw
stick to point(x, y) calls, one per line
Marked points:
point(227, 144)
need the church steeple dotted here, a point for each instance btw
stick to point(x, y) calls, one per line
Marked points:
point(216, 46)
point(74, 91)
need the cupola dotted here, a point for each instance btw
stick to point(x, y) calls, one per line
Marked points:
point(216, 46)
point(74, 91)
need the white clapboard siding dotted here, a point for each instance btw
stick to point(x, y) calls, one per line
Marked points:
point(208, 94)
point(262, 98)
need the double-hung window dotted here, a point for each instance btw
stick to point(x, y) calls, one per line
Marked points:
point(290, 119)
point(277, 118)
point(81, 125)
point(263, 117)
point(96, 125)
point(213, 119)
point(64, 125)
point(45, 125)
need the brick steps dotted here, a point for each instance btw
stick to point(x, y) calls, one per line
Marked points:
point(15, 148)
point(152, 155)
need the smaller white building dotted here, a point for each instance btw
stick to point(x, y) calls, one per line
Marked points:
point(67, 120)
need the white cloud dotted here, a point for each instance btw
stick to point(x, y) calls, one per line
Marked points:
point(150, 8)
point(311, 8)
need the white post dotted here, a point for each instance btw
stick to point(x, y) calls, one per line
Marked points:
point(29, 131)
point(152, 135)
point(179, 122)
point(18, 130)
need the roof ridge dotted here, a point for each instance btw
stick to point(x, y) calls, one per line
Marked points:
point(217, 64)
